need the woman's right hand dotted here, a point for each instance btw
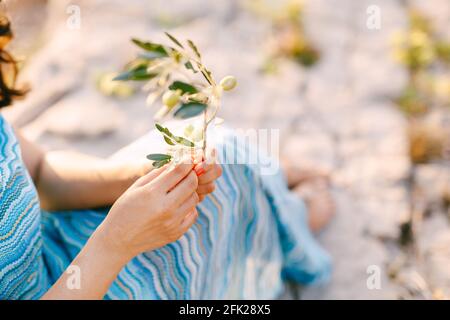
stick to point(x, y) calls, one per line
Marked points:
point(156, 210)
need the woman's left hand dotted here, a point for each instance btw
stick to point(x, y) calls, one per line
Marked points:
point(207, 172)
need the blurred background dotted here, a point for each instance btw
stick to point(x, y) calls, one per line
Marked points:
point(359, 88)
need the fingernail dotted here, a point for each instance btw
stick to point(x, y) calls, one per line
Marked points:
point(199, 171)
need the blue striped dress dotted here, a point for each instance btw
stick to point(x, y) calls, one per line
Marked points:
point(250, 236)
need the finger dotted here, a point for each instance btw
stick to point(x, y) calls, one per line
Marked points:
point(201, 197)
point(146, 167)
point(189, 220)
point(210, 175)
point(202, 168)
point(187, 206)
point(206, 189)
point(150, 176)
point(183, 190)
point(171, 177)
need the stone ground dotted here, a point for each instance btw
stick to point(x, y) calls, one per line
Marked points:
point(337, 115)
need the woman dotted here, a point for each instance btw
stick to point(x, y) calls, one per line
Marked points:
point(156, 241)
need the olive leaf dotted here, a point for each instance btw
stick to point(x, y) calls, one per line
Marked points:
point(189, 66)
point(174, 40)
point(168, 140)
point(159, 164)
point(183, 86)
point(159, 157)
point(155, 48)
point(202, 100)
point(164, 130)
point(137, 73)
point(185, 142)
point(172, 139)
point(147, 55)
point(194, 48)
point(189, 110)
point(206, 74)
point(209, 74)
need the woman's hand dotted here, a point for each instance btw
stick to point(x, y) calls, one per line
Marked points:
point(156, 210)
point(207, 171)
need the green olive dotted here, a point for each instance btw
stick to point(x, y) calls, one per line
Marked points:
point(171, 98)
point(200, 97)
point(189, 130)
point(197, 135)
point(228, 83)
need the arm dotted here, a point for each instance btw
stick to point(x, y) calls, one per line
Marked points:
point(59, 176)
point(99, 266)
point(156, 210)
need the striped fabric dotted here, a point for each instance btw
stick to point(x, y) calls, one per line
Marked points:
point(22, 271)
point(251, 234)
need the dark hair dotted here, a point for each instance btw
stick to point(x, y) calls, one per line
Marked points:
point(8, 67)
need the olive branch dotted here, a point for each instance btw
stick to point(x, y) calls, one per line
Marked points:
point(171, 74)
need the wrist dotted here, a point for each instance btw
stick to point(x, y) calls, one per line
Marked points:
point(109, 248)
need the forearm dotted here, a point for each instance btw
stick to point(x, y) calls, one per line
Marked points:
point(92, 272)
point(68, 180)
point(74, 181)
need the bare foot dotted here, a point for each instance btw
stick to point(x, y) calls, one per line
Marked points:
point(319, 200)
point(296, 175)
point(313, 186)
